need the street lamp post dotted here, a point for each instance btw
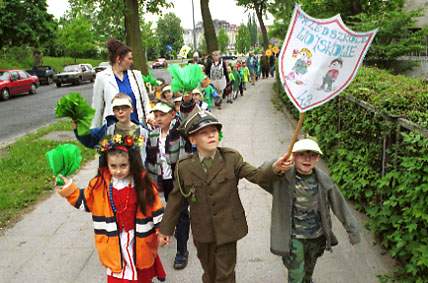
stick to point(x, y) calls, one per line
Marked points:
point(194, 29)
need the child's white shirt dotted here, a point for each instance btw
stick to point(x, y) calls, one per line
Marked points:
point(165, 166)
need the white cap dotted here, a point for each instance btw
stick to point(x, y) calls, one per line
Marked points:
point(197, 90)
point(162, 107)
point(121, 102)
point(307, 145)
point(166, 88)
point(196, 54)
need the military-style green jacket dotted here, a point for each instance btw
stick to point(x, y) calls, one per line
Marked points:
point(329, 198)
point(217, 214)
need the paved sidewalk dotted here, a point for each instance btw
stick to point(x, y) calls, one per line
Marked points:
point(54, 243)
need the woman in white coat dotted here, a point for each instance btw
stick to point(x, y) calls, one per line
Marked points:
point(119, 78)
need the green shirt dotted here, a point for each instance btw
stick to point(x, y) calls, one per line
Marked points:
point(208, 96)
point(306, 216)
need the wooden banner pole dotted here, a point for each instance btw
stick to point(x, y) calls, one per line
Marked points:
point(296, 133)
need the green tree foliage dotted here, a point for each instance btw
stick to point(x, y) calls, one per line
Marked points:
point(119, 19)
point(223, 40)
point(25, 23)
point(281, 11)
point(170, 32)
point(252, 28)
point(76, 37)
point(397, 34)
point(260, 7)
point(150, 40)
point(243, 40)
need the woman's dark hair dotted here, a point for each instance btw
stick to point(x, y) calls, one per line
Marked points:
point(116, 48)
point(143, 184)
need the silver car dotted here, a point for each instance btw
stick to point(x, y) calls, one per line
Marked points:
point(75, 74)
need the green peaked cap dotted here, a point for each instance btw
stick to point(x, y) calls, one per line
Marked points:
point(187, 78)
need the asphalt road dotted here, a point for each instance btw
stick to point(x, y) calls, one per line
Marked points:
point(25, 113)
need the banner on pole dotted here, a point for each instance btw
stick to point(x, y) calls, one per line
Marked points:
point(319, 58)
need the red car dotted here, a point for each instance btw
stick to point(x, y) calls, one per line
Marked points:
point(13, 82)
point(160, 63)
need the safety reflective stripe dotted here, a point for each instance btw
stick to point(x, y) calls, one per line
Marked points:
point(157, 216)
point(105, 225)
point(145, 227)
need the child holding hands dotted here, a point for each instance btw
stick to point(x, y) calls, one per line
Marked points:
point(126, 211)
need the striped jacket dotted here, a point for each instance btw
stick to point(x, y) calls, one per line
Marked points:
point(95, 199)
point(175, 148)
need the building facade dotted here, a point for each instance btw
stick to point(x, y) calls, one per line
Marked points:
point(231, 31)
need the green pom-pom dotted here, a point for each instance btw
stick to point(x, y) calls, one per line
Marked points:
point(75, 106)
point(150, 79)
point(185, 79)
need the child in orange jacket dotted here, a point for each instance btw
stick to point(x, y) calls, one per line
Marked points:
point(126, 211)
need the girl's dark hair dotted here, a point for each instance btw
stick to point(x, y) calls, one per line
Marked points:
point(142, 182)
point(116, 48)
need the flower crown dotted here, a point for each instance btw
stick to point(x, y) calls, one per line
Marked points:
point(118, 141)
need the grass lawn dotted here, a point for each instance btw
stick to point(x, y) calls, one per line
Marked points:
point(25, 174)
point(56, 62)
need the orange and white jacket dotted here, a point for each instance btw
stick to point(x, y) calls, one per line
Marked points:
point(95, 199)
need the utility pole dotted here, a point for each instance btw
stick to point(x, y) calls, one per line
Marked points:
point(194, 28)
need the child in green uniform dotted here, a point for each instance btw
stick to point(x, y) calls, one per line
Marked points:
point(208, 181)
point(209, 93)
point(301, 225)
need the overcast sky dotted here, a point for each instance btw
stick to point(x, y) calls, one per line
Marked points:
point(220, 9)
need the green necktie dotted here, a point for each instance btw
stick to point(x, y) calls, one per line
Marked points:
point(207, 162)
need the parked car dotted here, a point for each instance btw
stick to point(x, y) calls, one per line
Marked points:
point(102, 66)
point(46, 74)
point(75, 74)
point(160, 63)
point(229, 59)
point(14, 82)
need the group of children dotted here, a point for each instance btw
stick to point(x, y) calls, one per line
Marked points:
point(181, 157)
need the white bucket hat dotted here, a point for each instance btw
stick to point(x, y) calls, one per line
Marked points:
point(307, 145)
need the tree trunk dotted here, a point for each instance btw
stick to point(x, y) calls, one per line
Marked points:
point(133, 35)
point(209, 31)
point(259, 13)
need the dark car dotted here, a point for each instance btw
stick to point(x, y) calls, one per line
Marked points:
point(160, 63)
point(46, 74)
point(14, 82)
point(229, 59)
point(75, 74)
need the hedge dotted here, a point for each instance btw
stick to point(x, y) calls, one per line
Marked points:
point(378, 164)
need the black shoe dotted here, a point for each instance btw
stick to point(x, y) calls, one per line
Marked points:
point(180, 261)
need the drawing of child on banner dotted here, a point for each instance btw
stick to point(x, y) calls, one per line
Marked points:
point(300, 66)
point(331, 75)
